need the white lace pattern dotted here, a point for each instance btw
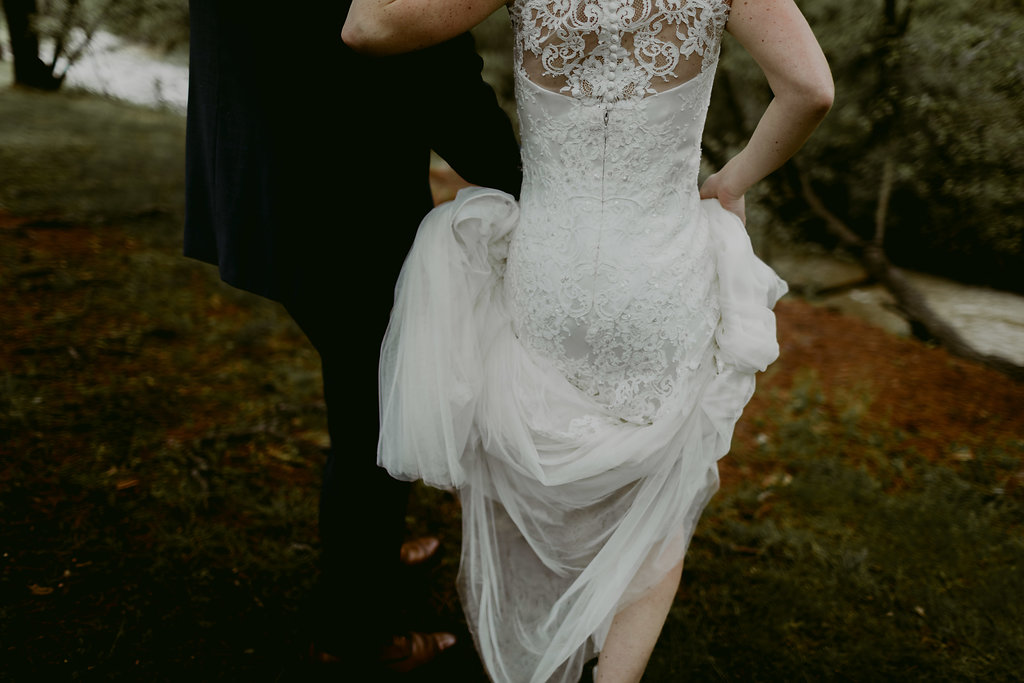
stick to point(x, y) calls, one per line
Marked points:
point(575, 363)
point(609, 274)
point(615, 49)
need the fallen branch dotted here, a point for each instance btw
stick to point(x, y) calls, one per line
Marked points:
point(910, 302)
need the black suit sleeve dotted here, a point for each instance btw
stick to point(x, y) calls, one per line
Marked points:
point(469, 129)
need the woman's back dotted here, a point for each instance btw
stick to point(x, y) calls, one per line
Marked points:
point(609, 272)
point(595, 376)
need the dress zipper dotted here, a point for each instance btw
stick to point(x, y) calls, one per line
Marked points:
point(600, 233)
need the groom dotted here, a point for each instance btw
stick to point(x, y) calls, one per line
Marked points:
point(307, 175)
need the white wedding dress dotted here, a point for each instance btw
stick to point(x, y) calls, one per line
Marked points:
point(574, 364)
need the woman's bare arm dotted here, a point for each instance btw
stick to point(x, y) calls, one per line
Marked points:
point(385, 27)
point(777, 36)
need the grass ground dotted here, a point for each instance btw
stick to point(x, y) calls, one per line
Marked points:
point(161, 436)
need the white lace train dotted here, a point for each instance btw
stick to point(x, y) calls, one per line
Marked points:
point(569, 511)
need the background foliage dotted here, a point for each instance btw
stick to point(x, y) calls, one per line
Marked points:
point(160, 23)
point(937, 88)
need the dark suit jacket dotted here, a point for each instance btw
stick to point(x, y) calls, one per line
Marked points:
point(307, 176)
point(307, 164)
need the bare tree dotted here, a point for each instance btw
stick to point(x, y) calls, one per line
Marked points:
point(70, 24)
point(29, 69)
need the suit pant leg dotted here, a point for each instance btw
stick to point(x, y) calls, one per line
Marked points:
point(362, 508)
point(342, 299)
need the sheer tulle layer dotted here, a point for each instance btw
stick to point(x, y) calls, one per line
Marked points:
point(569, 512)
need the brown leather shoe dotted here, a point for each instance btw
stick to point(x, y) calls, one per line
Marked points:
point(419, 550)
point(403, 654)
point(409, 652)
point(318, 656)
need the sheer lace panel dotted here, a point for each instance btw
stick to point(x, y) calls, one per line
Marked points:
point(614, 49)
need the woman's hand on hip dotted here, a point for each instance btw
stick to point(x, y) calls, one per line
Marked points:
point(714, 188)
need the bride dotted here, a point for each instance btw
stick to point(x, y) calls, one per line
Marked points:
point(574, 364)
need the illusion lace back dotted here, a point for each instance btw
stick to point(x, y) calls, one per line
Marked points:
point(574, 364)
point(611, 275)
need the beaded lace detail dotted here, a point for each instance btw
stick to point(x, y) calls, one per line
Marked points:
point(610, 274)
point(615, 49)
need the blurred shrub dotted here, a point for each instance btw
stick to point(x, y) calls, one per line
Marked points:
point(159, 23)
point(935, 87)
point(70, 24)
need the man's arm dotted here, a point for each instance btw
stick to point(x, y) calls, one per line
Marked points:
point(465, 124)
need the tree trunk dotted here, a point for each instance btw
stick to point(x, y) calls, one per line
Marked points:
point(29, 70)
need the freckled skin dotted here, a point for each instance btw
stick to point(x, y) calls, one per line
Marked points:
point(785, 48)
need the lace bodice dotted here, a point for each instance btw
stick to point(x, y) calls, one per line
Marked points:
point(610, 274)
point(615, 49)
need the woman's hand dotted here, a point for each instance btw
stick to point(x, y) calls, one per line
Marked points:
point(779, 39)
point(715, 188)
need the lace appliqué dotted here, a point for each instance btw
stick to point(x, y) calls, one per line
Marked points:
point(614, 49)
point(610, 276)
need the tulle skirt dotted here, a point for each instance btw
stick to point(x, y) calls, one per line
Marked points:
point(569, 513)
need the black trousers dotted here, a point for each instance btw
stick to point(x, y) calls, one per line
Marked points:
point(362, 508)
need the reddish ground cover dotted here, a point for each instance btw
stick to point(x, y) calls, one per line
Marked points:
point(942, 406)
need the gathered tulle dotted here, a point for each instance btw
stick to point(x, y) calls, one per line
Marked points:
point(748, 290)
point(431, 362)
point(570, 512)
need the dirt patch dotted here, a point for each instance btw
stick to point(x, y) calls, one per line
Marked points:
point(943, 407)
